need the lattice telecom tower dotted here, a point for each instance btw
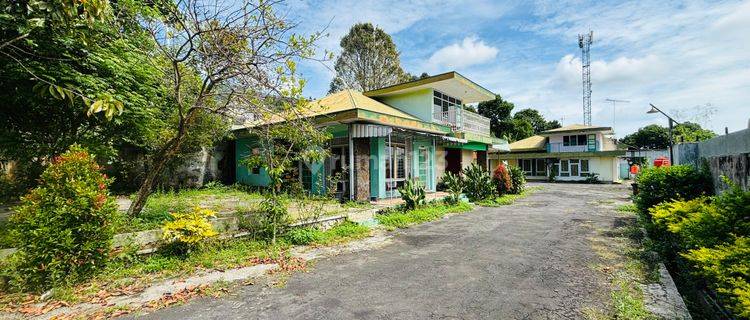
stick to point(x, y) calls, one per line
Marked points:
point(584, 42)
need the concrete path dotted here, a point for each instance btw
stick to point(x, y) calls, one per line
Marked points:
point(530, 260)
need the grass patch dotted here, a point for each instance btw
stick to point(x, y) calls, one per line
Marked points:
point(627, 300)
point(342, 232)
point(507, 199)
point(627, 208)
point(398, 218)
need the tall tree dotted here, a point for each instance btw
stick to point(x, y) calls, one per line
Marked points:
point(369, 60)
point(655, 136)
point(223, 59)
point(536, 119)
point(502, 124)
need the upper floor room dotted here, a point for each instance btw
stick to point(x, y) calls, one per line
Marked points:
point(439, 99)
point(572, 138)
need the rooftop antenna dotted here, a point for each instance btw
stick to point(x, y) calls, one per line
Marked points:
point(584, 42)
point(614, 105)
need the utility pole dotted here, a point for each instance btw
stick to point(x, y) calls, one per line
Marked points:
point(584, 42)
point(614, 111)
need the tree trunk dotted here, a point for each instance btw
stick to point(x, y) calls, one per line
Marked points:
point(161, 159)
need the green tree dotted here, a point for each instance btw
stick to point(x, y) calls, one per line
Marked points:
point(369, 60)
point(502, 124)
point(536, 119)
point(76, 24)
point(58, 70)
point(657, 137)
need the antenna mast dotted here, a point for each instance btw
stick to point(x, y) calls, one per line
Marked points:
point(614, 106)
point(584, 42)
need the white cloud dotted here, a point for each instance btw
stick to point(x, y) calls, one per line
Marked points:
point(471, 51)
point(620, 70)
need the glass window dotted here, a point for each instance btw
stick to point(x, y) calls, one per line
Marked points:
point(541, 167)
point(564, 166)
point(584, 165)
point(566, 140)
point(574, 169)
point(582, 140)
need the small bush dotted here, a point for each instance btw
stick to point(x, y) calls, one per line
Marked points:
point(592, 178)
point(188, 229)
point(64, 226)
point(455, 187)
point(501, 179)
point(413, 194)
point(402, 219)
point(303, 236)
point(518, 180)
point(661, 184)
point(478, 184)
point(342, 231)
point(727, 268)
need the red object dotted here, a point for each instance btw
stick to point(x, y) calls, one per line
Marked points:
point(661, 162)
point(634, 169)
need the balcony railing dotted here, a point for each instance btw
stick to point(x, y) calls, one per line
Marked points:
point(461, 120)
point(559, 147)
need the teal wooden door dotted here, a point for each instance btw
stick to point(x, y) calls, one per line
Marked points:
point(424, 166)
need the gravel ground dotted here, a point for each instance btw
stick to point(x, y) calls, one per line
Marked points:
point(529, 260)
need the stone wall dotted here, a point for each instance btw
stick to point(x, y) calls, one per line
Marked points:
point(362, 166)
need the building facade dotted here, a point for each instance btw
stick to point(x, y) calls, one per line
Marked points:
point(570, 153)
point(381, 138)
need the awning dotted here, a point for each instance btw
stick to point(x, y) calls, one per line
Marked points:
point(454, 139)
point(370, 130)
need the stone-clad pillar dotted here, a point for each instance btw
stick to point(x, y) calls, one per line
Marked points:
point(362, 169)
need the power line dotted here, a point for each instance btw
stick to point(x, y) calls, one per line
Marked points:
point(584, 42)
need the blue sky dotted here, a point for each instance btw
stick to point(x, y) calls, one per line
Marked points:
point(681, 56)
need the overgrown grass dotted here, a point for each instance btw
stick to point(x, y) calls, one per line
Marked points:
point(339, 233)
point(402, 219)
point(507, 199)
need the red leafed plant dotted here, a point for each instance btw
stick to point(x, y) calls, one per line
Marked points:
point(502, 181)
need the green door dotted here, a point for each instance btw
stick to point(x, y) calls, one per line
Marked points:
point(424, 166)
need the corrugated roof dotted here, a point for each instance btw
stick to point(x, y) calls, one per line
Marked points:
point(529, 144)
point(577, 127)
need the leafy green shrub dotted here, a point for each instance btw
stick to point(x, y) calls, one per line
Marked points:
point(592, 178)
point(402, 219)
point(501, 179)
point(478, 184)
point(455, 187)
point(518, 179)
point(413, 194)
point(727, 269)
point(661, 184)
point(274, 216)
point(712, 234)
point(303, 236)
point(342, 231)
point(64, 225)
point(188, 229)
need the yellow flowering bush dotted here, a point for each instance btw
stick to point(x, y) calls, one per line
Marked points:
point(189, 228)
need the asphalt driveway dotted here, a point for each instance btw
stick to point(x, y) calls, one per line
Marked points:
point(529, 260)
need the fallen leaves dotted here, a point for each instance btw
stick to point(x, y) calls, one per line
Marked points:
point(180, 296)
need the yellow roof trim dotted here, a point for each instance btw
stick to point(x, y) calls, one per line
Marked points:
point(395, 89)
point(529, 144)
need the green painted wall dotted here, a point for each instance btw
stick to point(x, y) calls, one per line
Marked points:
point(471, 145)
point(244, 147)
point(377, 167)
point(417, 103)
